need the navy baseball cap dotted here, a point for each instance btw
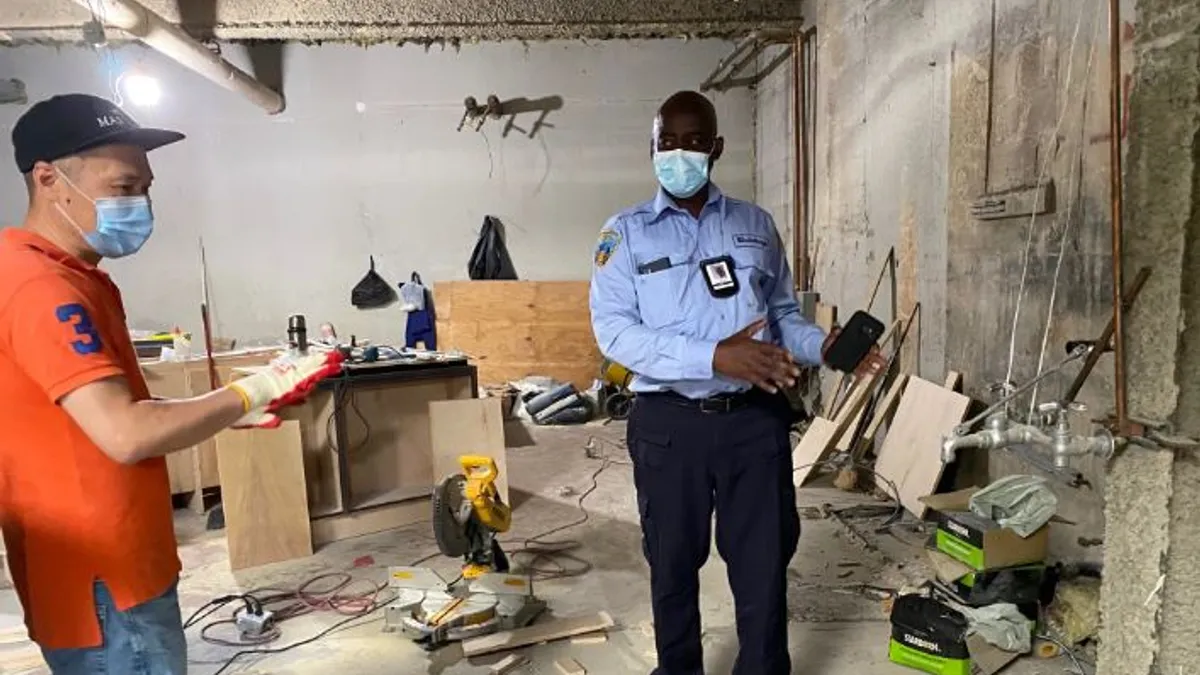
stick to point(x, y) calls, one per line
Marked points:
point(69, 124)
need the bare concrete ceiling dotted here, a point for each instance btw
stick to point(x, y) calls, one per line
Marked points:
point(369, 21)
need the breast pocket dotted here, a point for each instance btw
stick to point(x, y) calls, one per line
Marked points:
point(754, 276)
point(661, 287)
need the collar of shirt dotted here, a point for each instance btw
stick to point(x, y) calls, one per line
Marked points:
point(19, 237)
point(664, 202)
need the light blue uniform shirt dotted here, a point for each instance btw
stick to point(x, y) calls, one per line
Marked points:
point(652, 311)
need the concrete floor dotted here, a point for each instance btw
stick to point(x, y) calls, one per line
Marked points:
point(835, 629)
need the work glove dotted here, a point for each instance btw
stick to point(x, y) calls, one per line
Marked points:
point(287, 381)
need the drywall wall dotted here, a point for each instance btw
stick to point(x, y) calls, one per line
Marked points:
point(923, 107)
point(366, 161)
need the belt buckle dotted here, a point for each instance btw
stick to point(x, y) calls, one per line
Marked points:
point(716, 405)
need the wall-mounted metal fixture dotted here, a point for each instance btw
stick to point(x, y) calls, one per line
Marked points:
point(476, 115)
point(729, 71)
point(13, 91)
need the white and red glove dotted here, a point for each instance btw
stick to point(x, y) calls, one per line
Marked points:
point(287, 381)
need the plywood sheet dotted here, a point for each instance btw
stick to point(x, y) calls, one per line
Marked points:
point(468, 427)
point(513, 329)
point(390, 444)
point(911, 456)
point(264, 495)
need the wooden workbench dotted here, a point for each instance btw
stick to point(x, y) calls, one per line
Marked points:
point(194, 470)
point(356, 458)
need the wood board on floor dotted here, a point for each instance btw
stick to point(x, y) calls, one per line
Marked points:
point(264, 495)
point(911, 456)
point(513, 329)
point(468, 427)
point(544, 631)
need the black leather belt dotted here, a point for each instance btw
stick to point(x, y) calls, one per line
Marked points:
point(718, 404)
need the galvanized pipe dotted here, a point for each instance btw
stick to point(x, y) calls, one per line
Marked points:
point(173, 42)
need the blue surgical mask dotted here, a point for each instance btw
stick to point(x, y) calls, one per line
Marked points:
point(682, 173)
point(123, 224)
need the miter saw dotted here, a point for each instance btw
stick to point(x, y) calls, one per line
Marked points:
point(468, 513)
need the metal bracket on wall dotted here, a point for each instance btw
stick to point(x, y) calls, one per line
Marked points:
point(1033, 200)
point(726, 75)
point(13, 91)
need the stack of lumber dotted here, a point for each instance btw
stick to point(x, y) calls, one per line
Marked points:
point(901, 417)
point(515, 329)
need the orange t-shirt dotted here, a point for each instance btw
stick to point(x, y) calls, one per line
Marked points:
point(71, 514)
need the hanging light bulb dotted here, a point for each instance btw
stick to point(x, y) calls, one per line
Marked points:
point(140, 89)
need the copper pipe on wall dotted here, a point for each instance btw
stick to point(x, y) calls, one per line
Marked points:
point(802, 74)
point(800, 164)
point(1115, 171)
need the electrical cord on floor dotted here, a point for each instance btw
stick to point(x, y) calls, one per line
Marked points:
point(546, 559)
point(897, 512)
point(380, 604)
point(325, 592)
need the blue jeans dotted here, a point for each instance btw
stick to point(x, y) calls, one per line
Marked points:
point(143, 640)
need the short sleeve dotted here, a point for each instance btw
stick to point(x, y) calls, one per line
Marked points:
point(50, 329)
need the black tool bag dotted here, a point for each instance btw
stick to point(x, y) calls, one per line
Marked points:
point(929, 626)
point(372, 291)
point(490, 260)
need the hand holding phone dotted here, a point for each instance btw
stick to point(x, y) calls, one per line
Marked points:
point(851, 347)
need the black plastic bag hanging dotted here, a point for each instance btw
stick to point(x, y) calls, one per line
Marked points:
point(372, 291)
point(490, 259)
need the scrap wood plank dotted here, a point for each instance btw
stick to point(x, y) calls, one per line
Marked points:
point(468, 427)
point(569, 666)
point(821, 437)
point(508, 664)
point(590, 639)
point(886, 408)
point(911, 456)
point(539, 632)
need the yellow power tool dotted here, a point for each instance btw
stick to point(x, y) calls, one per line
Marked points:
point(468, 513)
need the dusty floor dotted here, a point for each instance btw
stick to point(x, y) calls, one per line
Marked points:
point(836, 629)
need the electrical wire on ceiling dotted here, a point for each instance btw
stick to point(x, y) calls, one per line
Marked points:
point(1038, 185)
point(1074, 183)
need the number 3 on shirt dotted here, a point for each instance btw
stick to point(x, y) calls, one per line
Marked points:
point(77, 315)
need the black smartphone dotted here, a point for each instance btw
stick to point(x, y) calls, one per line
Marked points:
point(854, 342)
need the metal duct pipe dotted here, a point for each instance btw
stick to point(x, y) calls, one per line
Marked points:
point(166, 37)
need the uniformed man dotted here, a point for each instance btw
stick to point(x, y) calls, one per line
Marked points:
point(692, 292)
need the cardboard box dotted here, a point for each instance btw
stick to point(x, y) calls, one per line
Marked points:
point(940, 646)
point(982, 543)
point(1020, 586)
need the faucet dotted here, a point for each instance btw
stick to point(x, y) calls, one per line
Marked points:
point(1053, 433)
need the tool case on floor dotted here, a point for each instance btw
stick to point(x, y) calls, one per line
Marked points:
point(929, 636)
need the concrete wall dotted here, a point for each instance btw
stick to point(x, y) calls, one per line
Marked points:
point(925, 105)
point(366, 160)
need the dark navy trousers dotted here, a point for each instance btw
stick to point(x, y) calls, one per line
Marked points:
point(688, 464)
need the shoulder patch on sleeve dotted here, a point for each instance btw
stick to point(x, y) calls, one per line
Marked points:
point(606, 246)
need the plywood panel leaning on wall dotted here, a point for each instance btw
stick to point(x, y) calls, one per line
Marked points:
point(470, 427)
point(513, 329)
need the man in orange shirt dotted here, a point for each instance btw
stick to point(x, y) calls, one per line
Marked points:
point(86, 509)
